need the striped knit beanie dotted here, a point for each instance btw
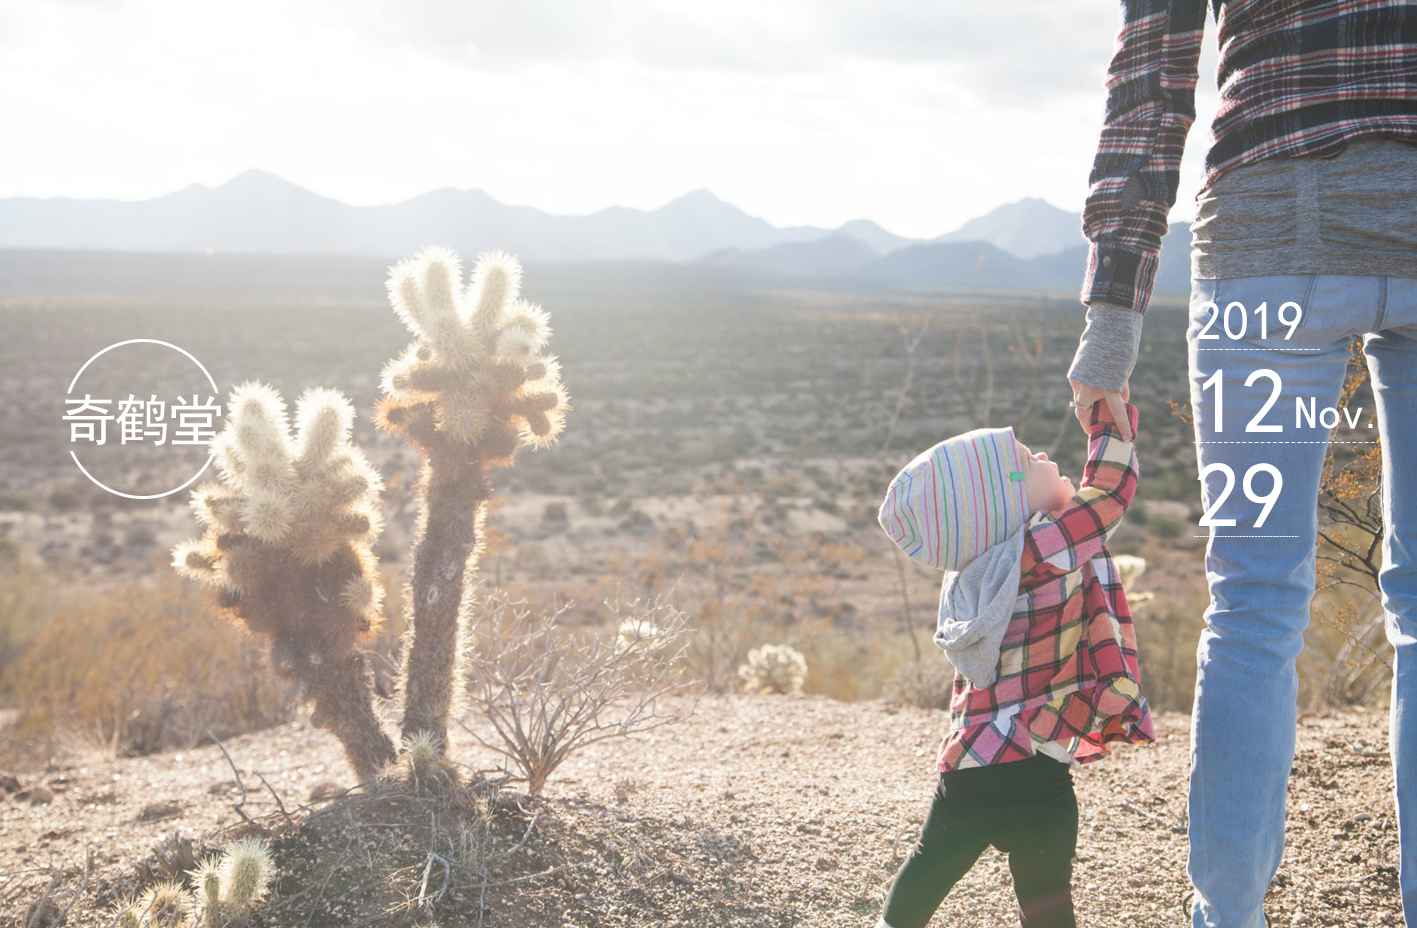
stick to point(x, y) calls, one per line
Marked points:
point(958, 498)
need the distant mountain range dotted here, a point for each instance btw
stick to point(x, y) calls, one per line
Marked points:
point(1026, 244)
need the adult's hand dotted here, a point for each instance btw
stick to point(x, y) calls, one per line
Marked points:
point(1084, 396)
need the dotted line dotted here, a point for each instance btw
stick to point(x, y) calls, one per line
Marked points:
point(1259, 347)
point(1293, 442)
point(1244, 536)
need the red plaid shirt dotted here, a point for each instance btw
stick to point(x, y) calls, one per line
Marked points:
point(1296, 77)
point(1068, 666)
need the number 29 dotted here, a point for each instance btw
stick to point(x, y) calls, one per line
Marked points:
point(1268, 500)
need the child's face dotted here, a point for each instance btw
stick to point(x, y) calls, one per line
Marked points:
point(1047, 490)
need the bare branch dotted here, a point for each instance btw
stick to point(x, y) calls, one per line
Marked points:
point(237, 806)
point(547, 694)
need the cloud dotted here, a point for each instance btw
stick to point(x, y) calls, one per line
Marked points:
point(918, 115)
point(1020, 52)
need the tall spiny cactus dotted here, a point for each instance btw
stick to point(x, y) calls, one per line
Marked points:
point(467, 392)
point(289, 527)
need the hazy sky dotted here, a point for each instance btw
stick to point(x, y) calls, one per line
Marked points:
point(918, 114)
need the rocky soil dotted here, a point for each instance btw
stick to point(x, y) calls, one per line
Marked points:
point(757, 811)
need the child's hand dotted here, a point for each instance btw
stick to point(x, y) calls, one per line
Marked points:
point(1084, 397)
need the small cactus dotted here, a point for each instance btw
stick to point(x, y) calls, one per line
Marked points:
point(165, 904)
point(774, 668)
point(207, 878)
point(231, 885)
point(289, 530)
point(1129, 570)
point(641, 633)
point(124, 913)
point(468, 392)
point(245, 875)
point(228, 887)
point(424, 763)
point(421, 752)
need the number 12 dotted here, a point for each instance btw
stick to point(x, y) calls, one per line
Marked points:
point(1217, 381)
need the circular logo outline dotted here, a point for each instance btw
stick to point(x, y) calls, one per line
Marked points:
point(150, 341)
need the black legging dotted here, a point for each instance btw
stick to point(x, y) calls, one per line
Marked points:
point(1026, 808)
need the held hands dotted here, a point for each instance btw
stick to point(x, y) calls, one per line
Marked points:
point(1084, 396)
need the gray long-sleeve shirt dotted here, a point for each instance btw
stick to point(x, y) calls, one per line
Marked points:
point(1354, 213)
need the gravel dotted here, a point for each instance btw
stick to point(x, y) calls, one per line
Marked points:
point(757, 811)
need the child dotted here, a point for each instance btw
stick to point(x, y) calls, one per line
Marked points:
point(1033, 617)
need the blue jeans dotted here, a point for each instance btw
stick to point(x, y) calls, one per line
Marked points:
point(1262, 578)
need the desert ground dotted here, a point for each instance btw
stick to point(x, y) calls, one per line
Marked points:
point(756, 811)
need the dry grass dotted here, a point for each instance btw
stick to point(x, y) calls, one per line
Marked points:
point(28, 597)
point(142, 667)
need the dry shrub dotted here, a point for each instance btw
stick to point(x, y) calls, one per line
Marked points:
point(548, 693)
point(28, 597)
point(1347, 660)
point(720, 643)
point(143, 667)
point(1168, 631)
point(927, 683)
point(850, 663)
point(745, 581)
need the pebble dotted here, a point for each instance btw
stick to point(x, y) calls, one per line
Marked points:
point(41, 795)
point(156, 811)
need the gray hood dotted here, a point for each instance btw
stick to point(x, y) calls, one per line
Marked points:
point(976, 604)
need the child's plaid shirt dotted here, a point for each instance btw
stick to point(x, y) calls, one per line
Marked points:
point(1068, 666)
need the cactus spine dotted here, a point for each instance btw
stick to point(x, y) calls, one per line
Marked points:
point(467, 393)
point(289, 529)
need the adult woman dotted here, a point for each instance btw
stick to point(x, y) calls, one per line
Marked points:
point(1310, 205)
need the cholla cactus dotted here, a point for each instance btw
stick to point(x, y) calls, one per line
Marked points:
point(228, 889)
point(289, 529)
point(207, 878)
point(1129, 569)
point(774, 668)
point(124, 913)
point(245, 876)
point(164, 905)
point(421, 755)
point(467, 393)
point(641, 633)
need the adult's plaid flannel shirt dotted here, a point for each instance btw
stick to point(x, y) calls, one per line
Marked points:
point(1068, 666)
point(1296, 77)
